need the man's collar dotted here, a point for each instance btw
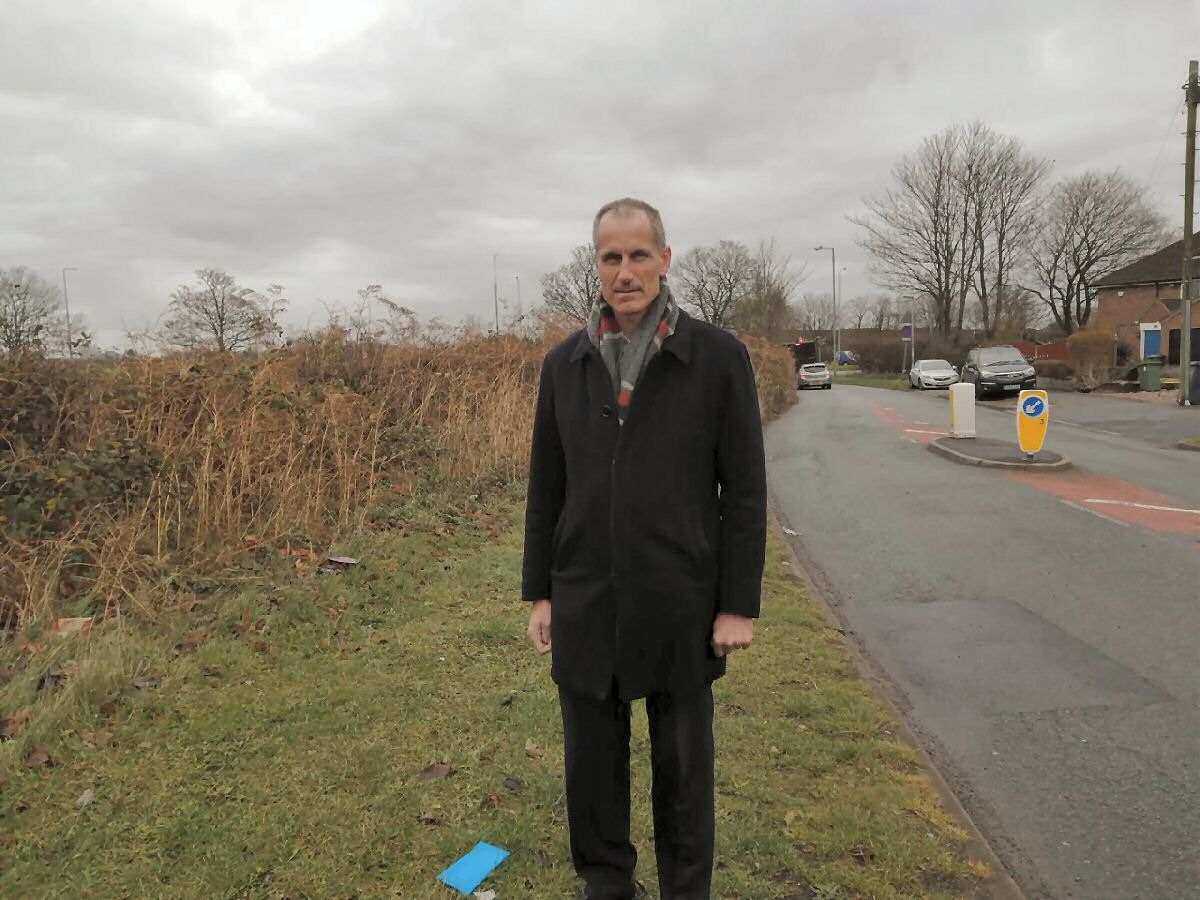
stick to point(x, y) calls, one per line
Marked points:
point(678, 344)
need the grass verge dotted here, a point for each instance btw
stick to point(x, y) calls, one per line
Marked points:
point(283, 742)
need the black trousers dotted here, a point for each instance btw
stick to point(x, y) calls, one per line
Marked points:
point(597, 772)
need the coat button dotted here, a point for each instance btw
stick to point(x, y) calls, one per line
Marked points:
point(606, 411)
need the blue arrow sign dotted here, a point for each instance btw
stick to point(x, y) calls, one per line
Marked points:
point(1033, 407)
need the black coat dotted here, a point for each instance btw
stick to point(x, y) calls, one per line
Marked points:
point(640, 534)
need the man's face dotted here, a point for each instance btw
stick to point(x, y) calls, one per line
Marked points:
point(629, 262)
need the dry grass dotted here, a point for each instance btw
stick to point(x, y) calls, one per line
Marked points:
point(166, 470)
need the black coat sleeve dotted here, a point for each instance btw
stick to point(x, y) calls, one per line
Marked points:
point(741, 472)
point(547, 479)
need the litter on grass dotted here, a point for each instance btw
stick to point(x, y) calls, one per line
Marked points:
point(469, 872)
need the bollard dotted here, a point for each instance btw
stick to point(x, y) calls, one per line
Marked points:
point(1033, 416)
point(962, 410)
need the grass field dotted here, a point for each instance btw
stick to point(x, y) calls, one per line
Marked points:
point(284, 740)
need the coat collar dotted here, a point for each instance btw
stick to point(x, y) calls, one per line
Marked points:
point(678, 344)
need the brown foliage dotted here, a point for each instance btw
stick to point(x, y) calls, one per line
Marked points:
point(147, 469)
point(1093, 352)
point(773, 375)
point(1054, 368)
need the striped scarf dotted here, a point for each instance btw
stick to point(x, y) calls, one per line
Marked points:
point(626, 360)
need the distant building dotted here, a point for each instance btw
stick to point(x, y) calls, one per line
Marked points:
point(1141, 304)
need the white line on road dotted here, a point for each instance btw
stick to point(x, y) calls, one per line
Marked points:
point(1195, 512)
point(1096, 513)
point(919, 431)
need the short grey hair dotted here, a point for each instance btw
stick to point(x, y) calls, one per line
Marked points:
point(628, 204)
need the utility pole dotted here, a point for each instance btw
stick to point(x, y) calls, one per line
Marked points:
point(67, 307)
point(495, 293)
point(519, 313)
point(1189, 197)
point(833, 272)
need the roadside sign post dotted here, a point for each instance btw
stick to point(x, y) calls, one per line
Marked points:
point(1033, 416)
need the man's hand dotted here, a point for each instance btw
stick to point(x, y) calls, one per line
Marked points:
point(731, 632)
point(539, 626)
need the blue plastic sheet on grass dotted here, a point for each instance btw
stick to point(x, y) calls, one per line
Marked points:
point(470, 871)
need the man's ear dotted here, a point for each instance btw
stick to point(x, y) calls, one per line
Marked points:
point(666, 260)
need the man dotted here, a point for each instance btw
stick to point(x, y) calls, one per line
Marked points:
point(644, 546)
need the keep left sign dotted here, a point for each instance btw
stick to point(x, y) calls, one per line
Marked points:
point(1033, 416)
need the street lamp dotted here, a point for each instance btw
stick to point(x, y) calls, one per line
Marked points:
point(833, 273)
point(67, 307)
point(836, 322)
point(495, 293)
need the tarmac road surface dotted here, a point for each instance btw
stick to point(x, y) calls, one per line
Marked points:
point(1041, 632)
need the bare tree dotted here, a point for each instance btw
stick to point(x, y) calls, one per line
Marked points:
point(571, 290)
point(857, 309)
point(1000, 181)
point(29, 310)
point(816, 312)
point(1092, 225)
point(881, 311)
point(952, 224)
point(917, 230)
point(766, 310)
point(715, 280)
point(220, 315)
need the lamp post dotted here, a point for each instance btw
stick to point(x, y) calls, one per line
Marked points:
point(67, 307)
point(837, 324)
point(833, 273)
point(495, 293)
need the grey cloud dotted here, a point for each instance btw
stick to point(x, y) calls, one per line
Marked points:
point(443, 133)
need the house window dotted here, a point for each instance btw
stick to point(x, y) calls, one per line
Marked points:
point(1174, 342)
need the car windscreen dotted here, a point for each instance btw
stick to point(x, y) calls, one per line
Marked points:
point(1000, 356)
point(931, 364)
point(815, 367)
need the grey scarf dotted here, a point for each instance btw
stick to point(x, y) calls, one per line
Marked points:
point(626, 360)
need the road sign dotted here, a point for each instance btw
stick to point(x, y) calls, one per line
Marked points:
point(906, 332)
point(1033, 415)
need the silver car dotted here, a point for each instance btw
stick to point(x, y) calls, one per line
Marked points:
point(932, 373)
point(813, 375)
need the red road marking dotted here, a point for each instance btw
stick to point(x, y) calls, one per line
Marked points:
point(1080, 487)
point(903, 425)
point(1077, 488)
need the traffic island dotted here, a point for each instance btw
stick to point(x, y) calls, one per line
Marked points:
point(992, 454)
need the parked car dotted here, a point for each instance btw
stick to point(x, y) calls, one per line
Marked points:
point(813, 375)
point(932, 373)
point(845, 357)
point(998, 370)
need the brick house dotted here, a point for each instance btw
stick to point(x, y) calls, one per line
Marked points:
point(1140, 304)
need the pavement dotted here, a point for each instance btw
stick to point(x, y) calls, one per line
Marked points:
point(997, 454)
point(1038, 630)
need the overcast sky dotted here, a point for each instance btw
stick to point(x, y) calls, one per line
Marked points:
point(330, 144)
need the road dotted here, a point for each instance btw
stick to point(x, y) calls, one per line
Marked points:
point(1040, 632)
point(1107, 414)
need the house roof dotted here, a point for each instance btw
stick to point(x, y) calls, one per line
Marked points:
point(1161, 267)
point(1175, 311)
